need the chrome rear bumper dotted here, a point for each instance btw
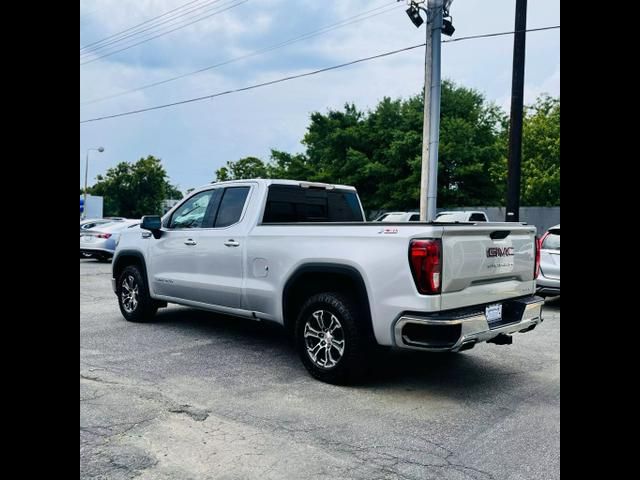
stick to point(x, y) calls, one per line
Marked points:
point(456, 330)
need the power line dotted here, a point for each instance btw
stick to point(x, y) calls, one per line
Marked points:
point(138, 25)
point(173, 17)
point(165, 33)
point(487, 35)
point(293, 77)
point(299, 38)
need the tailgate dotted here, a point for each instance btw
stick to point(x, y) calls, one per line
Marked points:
point(486, 263)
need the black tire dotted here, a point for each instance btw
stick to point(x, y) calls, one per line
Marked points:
point(351, 367)
point(144, 308)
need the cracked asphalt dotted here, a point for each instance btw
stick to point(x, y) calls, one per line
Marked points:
point(200, 396)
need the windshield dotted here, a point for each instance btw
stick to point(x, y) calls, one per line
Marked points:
point(451, 217)
point(394, 217)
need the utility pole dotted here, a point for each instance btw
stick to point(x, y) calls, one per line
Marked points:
point(436, 11)
point(517, 101)
point(431, 142)
point(425, 169)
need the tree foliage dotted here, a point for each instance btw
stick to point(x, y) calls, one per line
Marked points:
point(540, 154)
point(379, 152)
point(135, 189)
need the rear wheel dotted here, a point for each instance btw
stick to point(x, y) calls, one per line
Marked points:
point(133, 296)
point(330, 340)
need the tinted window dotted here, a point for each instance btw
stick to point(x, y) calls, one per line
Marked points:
point(191, 214)
point(552, 241)
point(290, 203)
point(477, 217)
point(415, 218)
point(231, 206)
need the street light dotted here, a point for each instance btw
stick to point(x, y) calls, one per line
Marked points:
point(86, 174)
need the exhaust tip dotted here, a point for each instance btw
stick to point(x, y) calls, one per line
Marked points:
point(467, 346)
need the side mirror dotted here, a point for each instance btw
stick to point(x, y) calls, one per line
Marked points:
point(152, 223)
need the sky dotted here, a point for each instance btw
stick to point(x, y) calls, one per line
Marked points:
point(195, 139)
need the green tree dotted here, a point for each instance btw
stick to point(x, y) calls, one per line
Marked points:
point(540, 183)
point(134, 189)
point(379, 152)
point(248, 167)
point(173, 193)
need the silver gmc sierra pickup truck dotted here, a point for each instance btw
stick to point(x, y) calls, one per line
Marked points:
point(301, 254)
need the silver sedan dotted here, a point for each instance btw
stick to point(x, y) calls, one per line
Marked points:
point(548, 282)
point(100, 242)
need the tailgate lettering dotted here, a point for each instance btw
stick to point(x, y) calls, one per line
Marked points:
point(500, 252)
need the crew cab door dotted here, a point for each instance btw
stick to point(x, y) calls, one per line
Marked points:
point(170, 258)
point(217, 259)
point(198, 258)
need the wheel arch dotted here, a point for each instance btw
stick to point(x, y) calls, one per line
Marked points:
point(126, 258)
point(311, 278)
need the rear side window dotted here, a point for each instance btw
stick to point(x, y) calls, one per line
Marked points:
point(552, 241)
point(290, 203)
point(414, 218)
point(477, 217)
point(231, 206)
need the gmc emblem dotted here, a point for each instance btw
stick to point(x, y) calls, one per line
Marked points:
point(499, 252)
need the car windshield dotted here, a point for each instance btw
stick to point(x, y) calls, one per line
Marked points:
point(115, 226)
point(552, 241)
point(451, 217)
point(394, 217)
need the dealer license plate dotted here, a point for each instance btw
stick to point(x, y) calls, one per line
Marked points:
point(493, 313)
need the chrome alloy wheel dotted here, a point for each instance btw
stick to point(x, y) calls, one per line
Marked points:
point(129, 294)
point(324, 339)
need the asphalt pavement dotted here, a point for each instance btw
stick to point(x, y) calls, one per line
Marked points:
point(196, 395)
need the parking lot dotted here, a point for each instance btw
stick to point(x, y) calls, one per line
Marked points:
point(200, 396)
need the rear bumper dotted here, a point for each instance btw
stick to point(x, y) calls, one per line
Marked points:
point(547, 286)
point(97, 251)
point(548, 290)
point(460, 329)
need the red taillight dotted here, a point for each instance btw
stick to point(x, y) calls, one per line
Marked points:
point(536, 268)
point(425, 259)
point(103, 235)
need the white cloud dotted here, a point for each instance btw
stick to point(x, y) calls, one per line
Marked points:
point(195, 139)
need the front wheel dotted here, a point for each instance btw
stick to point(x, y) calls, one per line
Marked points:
point(133, 296)
point(330, 339)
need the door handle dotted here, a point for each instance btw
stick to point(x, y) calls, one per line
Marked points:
point(232, 243)
point(190, 241)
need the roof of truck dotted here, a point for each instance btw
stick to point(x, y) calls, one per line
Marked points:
point(276, 181)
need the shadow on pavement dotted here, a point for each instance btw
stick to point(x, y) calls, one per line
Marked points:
point(457, 374)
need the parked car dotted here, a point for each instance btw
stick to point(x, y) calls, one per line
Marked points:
point(88, 224)
point(399, 217)
point(302, 255)
point(548, 280)
point(461, 216)
point(100, 242)
point(93, 222)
